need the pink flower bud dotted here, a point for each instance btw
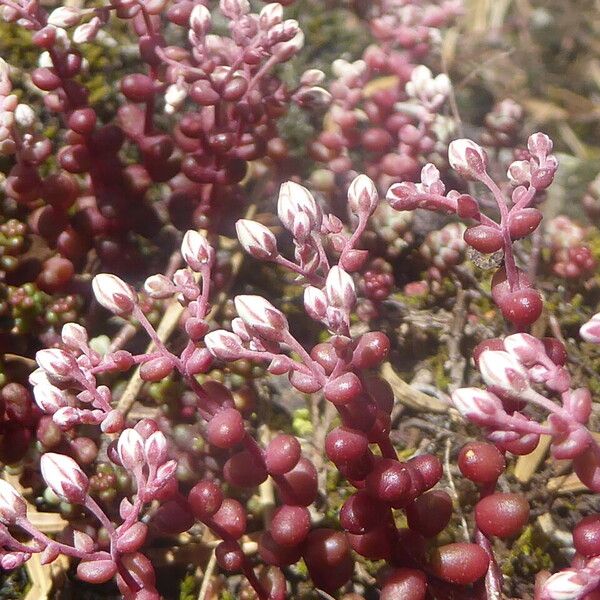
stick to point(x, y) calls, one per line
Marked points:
point(113, 422)
point(131, 449)
point(256, 239)
point(224, 345)
point(502, 370)
point(479, 406)
point(87, 32)
point(12, 505)
point(64, 477)
point(14, 560)
point(339, 289)
point(590, 331)
point(525, 348)
point(362, 195)
point(113, 293)
point(56, 363)
point(285, 50)
point(73, 335)
point(200, 20)
point(564, 585)
point(196, 250)
point(401, 196)
point(539, 144)
point(312, 76)
point(159, 287)
point(467, 158)
point(579, 404)
point(65, 16)
point(155, 449)
point(262, 316)
point(294, 199)
point(49, 398)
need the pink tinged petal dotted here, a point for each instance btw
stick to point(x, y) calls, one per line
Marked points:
point(256, 239)
point(362, 195)
point(12, 505)
point(196, 250)
point(270, 15)
point(64, 477)
point(402, 196)
point(131, 449)
point(500, 369)
point(159, 287)
point(224, 345)
point(113, 293)
point(200, 20)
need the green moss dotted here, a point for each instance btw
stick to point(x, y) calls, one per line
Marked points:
point(528, 554)
point(301, 423)
point(188, 588)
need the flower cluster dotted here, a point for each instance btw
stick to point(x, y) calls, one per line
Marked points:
point(512, 291)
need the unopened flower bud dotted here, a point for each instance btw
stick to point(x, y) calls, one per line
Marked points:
point(315, 303)
point(65, 16)
point(196, 250)
point(55, 362)
point(294, 199)
point(479, 406)
point(590, 331)
point(87, 32)
point(131, 449)
point(159, 287)
point(564, 585)
point(339, 289)
point(24, 116)
point(12, 504)
point(113, 293)
point(525, 348)
point(256, 239)
point(155, 449)
point(200, 20)
point(519, 172)
point(270, 15)
point(500, 369)
point(64, 477)
point(262, 316)
point(539, 144)
point(362, 195)
point(74, 335)
point(49, 398)
point(467, 158)
point(234, 9)
point(224, 345)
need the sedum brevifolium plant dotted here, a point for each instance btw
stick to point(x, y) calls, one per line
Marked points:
point(195, 127)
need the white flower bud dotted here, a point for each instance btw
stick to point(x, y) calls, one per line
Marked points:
point(234, 9)
point(87, 32)
point(590, 331)
point(315, 303)
point(339, 289)
point(256, 239)
point(362, 195)
point(502, 370)
point(113, 293)
point(200, 20)
point(271, 14)
point(12, 504)
point(479, 406)
point(65, 16)
point(159, 287)
point(175, 97)
point(55, 362)
point(525, 348)
point(539, 144)
point(294, 199)
point(224, 345)
point(45, 61)
point(24, 116)
point(564, 585)
point(519, 172)
point(155, 448)
point(262, 316)
point(196, 250)
point(49, 398)
point(467, 158)
point(64, 477)
point(74, 335)
point(131, 449)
